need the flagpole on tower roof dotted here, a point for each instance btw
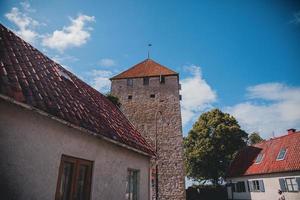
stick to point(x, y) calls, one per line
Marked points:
point(149, 45)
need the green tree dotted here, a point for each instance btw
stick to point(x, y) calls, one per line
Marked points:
point(254, 138)
point(211, 145)
point(115, 100)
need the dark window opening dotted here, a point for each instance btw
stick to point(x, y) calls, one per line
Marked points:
point(162, 79)
point(240, 186)
point(129, 96)
point(152, 95)
point(74, 179)
point(146, 80)
point(129, 82)
point(132, 185)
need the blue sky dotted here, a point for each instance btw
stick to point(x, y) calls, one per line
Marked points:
point(240, 56)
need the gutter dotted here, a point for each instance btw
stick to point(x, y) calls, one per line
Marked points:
point(31, 108)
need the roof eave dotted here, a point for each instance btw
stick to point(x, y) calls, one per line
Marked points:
point(118, 78)
point(255, 174)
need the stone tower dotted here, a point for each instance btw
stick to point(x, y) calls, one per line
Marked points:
point(149, 94)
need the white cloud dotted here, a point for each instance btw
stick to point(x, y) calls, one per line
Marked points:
point(99, 80)
point(73, 35)
point(296, 18)
point(197, 95)
point(107, 62)
point(24, 23)
point(271, 107)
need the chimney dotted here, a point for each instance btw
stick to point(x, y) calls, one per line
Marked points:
point(291, 130)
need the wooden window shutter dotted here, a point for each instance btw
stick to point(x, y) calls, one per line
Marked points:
point(282, 184)
point(261, 186)
point(298, 182)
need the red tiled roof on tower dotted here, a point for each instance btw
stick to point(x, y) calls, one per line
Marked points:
point(30, 77)
point(244, 163)
point(147, 68)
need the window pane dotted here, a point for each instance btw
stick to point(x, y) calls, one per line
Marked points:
point(132, 185)
point(259, 158)
point(281, 154)
point(81, 187)
point(129, 82)
point(66, 181)
point(135, 185)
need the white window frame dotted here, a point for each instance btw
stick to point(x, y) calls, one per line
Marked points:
point(261, 159)
point(277, 158)
point(291, 187)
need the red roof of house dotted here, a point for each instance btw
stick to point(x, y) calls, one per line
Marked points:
point(244, 164)
point(146, 68)
point(28, 76)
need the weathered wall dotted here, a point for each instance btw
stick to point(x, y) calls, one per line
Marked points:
point(271, 184)
point(31, 146)
point(159, 121)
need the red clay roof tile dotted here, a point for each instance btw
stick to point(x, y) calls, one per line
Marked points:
point(147, 68)
point(29, 76)
point(244, 164)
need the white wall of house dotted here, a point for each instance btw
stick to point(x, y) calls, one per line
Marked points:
point(271, 186)
point(31, 146)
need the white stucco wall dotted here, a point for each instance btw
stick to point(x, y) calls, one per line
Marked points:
point(271, 184)
point(31, 146)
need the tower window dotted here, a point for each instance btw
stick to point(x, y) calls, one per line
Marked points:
point(146, 80)
point(152, 95)
point(129, 96)
point(129, 82)
point(162, 79)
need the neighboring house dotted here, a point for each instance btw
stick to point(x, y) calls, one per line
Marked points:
point(60, 138)
point(149, 96)
point(260, 170)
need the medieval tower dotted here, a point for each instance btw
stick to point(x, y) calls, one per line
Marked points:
point(149, 96)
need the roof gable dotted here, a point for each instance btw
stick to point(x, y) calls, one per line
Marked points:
point(146, 68)
point(244, 163)
point(30, 77)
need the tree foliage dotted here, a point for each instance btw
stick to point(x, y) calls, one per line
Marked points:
point(115, 100)
point(211, 145)
point(254, 138)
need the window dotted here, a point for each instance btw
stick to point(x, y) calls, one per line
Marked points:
point(259, 158)
point(129, 82)
point(162, 79)
point(291, 184)
point(281, 154)
point(74, 179)
point(132, 185)
point(146, 80)
point(129, 96)
point(152, 95)
point(240, 186)
point(256, 186)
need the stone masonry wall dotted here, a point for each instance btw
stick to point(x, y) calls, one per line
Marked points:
point(159, 120)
